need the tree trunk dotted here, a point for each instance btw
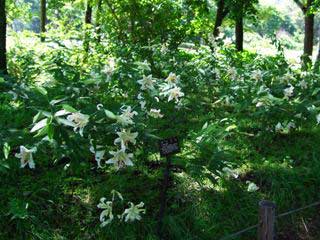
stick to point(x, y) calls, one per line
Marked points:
point(43, 19)
point(3, 36)
point(88, 16)
point(87, 20)
point(239, 32)
point(221, 14)
point(309, 34)
point(98, 21)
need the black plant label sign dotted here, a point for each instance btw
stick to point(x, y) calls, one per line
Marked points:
point(169, 146)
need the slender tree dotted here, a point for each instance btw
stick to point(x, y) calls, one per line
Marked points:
point(3, 36)
point(98, 21)
point(87, 21)
point(88, 15)
point(239, 10)
point(308, 25)
point(239, 29)
point(43, 19)
point(222, 12)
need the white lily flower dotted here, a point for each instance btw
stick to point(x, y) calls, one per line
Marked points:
point(155, 113)
point(143, 105)
point(128, 112)
point(110, 67)
point(140, 97)
point(106, 215)
point(98, 154)
point(230, 173)
point(259, 104)
point(279, 127)
point(120, 159)
point(125, 118)
point(285, 128)
point(257, 75)
point(26, 157)
point(303, 84)
point(252, 187)
point(172, 79)
point(125, 137)
point(78, 121)
point(147, 82)
point(288, 92)
point(173, 93)
point(133, 212)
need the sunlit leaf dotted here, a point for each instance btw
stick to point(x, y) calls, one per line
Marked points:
point(231, 127)
point(69, 108)
point(39, 125)
point(6, 150)
point(110, 114)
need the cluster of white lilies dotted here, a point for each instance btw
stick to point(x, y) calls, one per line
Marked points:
point(169, 89)
point(130, 214)
point(120, 157)
point(75, 119)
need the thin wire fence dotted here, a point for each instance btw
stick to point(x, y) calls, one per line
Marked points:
point(237, 234)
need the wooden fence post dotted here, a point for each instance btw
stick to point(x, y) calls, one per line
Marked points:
point(267, 217)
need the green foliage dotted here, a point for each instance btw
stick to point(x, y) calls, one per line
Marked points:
point(247, 124)
point(270, 20)
point(242, 8)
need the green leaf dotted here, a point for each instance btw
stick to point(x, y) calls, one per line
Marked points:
point(37, 117)
point(39, 125)
point(54, 102)
point(4, 166)
point(50, 131)
point(89, 81)
point(47, 114)
point(18, 208)
point(41, 90)
point(69, 108)
point(110, 114)
point(6, 150)
point(315, 92)
point(231, 127)
point(205, 126)
point(42, 132)
point(153, 136)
